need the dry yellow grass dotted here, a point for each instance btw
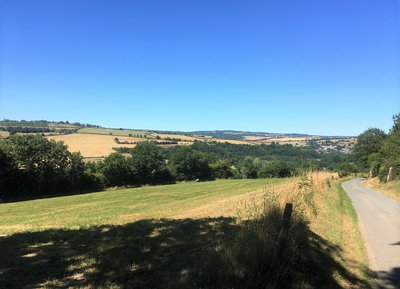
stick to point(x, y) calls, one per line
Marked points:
point(182, 137)
point(97, 146)
point(296, 141)
point(185, 139)
point(92, 145)
point(230, 141)
point(332, 218)
point(391, 189)
point(4, 134)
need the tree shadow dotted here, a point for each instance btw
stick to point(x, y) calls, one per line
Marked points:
point(389, 279)
point(166, 253)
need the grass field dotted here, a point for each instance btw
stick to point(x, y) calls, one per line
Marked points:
point(4, 133)
point(91, 145)
point(216, 234)
point(218, 198)
point(97, 143)
point(114, 132)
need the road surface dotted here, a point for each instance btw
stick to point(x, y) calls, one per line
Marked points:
point(379, 218)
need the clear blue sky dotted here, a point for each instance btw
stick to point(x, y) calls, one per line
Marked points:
point(312, 66)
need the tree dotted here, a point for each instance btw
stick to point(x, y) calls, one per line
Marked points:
point(368, 145)
point(347, 169)
point(9, 174)
point(116, 170)
point(188, 164)
point(248, 168)
point(390, 152)
point(148, 164)
point(222, 169)
point(278, 169)
point(44, 162)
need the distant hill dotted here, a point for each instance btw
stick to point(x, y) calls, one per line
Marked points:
point(60, 129)
point(242, 135)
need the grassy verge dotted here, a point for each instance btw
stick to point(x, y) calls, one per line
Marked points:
point(218, 234)
point(390, 189)
point(336, 222)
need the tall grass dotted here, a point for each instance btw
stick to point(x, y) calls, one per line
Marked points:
point(309, 260)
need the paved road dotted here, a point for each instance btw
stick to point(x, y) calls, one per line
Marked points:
point(379, 218)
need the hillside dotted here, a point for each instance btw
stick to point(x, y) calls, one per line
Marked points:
point(94, 141)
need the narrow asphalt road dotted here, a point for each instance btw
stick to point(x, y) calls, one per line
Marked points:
point(379, 218)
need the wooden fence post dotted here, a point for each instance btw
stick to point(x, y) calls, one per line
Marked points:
point(390, 175)
point(283, 233)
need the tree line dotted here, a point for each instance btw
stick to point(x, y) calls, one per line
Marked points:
point(377, 151)
point(33, 166)
point(21, 129)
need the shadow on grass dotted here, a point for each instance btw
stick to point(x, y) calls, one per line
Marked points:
point(390, 279)
point(166, 253)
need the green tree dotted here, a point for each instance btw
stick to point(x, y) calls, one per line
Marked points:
point(44, 162)
point(368, 147)
point(148, 164)
point(248, 168)
point(188, 164)
point(277, 169)
point(390, 152)
point(116, 170)
point(222, 169)
point(9, 174)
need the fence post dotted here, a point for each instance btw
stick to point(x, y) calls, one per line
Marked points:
point(390, 175)
point(283, 233)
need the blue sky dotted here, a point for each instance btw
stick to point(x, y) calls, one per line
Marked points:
point(318, 67)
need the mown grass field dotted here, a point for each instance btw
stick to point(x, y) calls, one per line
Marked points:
point(114, 132)
point(218, 234)
point(217, 198)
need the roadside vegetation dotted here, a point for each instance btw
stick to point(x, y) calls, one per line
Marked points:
point(377, 151)
point(379, 154)
point(390, 189)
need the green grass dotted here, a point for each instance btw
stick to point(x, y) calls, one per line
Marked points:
point(337, 223)
point(186, 235)
point(128, 238)
point(124, 205)
point(115, 132)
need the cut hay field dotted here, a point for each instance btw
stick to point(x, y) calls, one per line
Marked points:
point(218, 234)
point(92, 145)
point(114, 132)
point(4, 133)
point(184, 200)
point(97, 143)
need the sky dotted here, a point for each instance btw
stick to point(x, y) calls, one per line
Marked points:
point(312, 66)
